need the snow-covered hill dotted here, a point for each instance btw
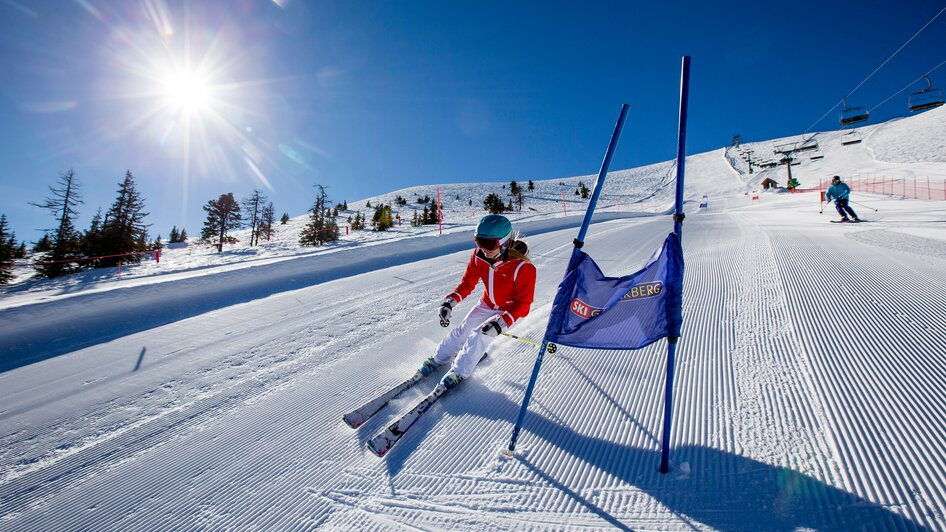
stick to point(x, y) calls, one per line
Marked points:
point(206, 391)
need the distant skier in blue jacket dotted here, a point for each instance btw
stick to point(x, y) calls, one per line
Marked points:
point(840, 192)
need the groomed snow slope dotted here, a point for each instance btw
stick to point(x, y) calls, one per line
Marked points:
point(808, 391)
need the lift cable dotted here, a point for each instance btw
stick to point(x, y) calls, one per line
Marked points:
point(835, 106)
point(908, 86)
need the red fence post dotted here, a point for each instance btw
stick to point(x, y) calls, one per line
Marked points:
point(157, 256)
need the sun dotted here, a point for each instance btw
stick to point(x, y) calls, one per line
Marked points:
point(185, 91)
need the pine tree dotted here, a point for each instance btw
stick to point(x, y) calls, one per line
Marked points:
point(66, 244)
point(175, 236)
point(7, 253)
point(284, 219)
point(93, 239)
point(253, 214)
point(358, 223)
point(223, 216)
point(266, 226)
point(321, 227)
point(516, 192)
point(157, 244)
point(44, 244)
point(493, 203)
point(124, 230)
point(183, 237)
point(582, 190)
point(19, 248)
point(531, 185)
point(11, 241)
point(383, 219)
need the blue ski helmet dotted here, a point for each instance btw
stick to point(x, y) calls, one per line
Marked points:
point(493, 226)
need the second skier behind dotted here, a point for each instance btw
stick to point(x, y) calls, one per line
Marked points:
point(502, 262)
point(841, 193)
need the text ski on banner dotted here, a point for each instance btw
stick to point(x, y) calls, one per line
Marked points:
point(594, 311)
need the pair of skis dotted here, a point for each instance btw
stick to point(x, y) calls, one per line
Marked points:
point(384, 440)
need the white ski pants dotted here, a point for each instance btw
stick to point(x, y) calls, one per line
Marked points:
point(465, 344)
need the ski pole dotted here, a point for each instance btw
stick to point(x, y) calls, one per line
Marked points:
point(862, 205)
point(551, 347)
point(526, 340)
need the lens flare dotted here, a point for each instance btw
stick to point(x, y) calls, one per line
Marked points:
point(186, 92)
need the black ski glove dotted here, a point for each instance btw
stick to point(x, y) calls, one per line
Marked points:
point(446, 309)
point(493, 327)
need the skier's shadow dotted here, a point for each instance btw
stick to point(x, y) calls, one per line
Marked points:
point(723, 490)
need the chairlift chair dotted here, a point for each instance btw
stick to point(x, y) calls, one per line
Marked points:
point(927, 98)
point(810, 144)
point(850, 138)
point(853, 115)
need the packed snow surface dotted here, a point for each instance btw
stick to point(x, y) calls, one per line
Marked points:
point(206, 391)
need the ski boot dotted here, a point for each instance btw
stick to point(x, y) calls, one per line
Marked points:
point(450, 380)
point(427, 367)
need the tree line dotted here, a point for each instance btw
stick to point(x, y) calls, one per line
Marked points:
point(120, 235)
point(494, 203)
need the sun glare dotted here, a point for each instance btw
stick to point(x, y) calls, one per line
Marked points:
point(190, 89)
point(186, 92)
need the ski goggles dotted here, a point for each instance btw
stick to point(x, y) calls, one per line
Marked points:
point(486, 244)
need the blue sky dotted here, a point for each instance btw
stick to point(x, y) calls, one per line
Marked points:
point(202, 98)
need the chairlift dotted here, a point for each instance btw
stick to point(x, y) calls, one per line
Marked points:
point(853, 115)
point(927, 98)
point(817, 154)
point(850, 138)
point(810, 144)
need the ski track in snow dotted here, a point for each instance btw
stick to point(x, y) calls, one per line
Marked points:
point(775, 421)
point(808, 392)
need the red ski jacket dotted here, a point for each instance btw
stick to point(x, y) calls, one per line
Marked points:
point(510, 285)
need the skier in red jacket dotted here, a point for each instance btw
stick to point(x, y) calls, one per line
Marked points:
point(502, 262)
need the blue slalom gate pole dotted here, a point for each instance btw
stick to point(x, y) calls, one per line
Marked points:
point(580, 241)
point(678, 229)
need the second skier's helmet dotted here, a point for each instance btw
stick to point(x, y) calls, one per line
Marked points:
point(492, 231)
